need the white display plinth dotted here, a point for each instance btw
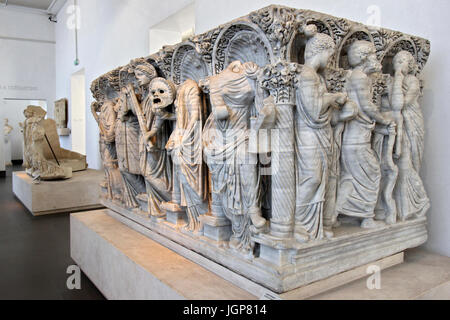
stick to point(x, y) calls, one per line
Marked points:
point(81, 192)
point(126, 265)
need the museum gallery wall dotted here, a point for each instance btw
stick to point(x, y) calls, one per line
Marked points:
point(285, 145)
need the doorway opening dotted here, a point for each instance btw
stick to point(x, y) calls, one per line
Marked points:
point(78, 111)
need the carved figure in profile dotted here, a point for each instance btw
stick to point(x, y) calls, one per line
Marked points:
point(313, 136)
point(234, 171)
point(359, 185)
point(409, 193)
point(185, 146)
point(128, 130)
point(105, 115)
point(155, 164)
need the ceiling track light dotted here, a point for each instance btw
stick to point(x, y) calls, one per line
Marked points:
point(52, 18)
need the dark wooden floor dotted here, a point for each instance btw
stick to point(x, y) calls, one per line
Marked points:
point(35, 252)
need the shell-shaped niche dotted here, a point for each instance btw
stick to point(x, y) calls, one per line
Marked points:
point(245, 46)
point(241, 42)
point(188, 64)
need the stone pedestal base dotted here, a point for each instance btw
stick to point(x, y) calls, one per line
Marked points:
point(64, 132)
point(284, 265)
point(81, 192)
point(128, 264)
point(175, 215)
point(216, 228)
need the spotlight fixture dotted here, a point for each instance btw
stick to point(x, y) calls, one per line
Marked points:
point(52, 18)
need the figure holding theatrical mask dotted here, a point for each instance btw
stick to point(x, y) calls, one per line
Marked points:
point(128, 128)
point(155, 164)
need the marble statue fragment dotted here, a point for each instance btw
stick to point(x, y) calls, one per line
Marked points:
point(61, 118)
point(7, 129)
point(44, 159)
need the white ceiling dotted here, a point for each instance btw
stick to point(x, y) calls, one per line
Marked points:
point(50, 6)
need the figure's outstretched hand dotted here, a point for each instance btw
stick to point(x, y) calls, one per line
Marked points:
point(341, 98)
point(392, 128)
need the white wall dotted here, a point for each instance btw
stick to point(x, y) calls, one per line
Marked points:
point(170, 31)
point(428, 19)
point(112, 33)
point(27, 65)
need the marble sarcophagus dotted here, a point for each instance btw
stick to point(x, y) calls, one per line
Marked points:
point(285, 145)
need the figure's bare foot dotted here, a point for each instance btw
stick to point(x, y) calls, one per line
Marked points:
point(390, 220)
point(142, 197)
point(257, 220)
point(329, 234)
point(336, 224)
point(301, 236)
point(370, 223)
point(234, 243)
point(171, 206)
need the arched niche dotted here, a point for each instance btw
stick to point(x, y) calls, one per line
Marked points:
point(297, 45)
point(403, 44)
point(341, 60)
point(107, 86)
point(188, 64)
point(244, 42)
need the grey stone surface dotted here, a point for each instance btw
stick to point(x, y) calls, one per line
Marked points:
point(82, 192)
point(126, 265)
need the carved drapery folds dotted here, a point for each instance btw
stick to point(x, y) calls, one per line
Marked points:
point(283, 124)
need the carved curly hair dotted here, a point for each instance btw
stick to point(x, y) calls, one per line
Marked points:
point(359, 51)
point(317, 42)
point(406, 56)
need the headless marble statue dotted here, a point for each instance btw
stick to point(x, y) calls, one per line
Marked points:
point(234, 171)
point(185, 146)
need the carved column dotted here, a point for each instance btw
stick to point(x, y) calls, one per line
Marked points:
point(279, 80)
